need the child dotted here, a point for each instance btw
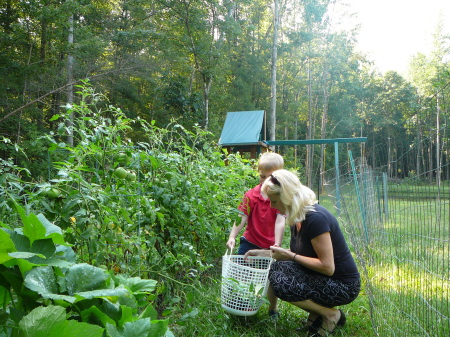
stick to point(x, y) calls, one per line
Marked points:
point(265, 225)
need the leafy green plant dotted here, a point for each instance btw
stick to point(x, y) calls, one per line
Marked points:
point(167, 221)
point(40, 282)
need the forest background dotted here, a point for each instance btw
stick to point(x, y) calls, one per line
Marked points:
point(197, 60)
point(160, 61)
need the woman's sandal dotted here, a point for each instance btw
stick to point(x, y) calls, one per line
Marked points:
point(311, 325)
point(342, 319)
point(314, 324)
point(324, 332)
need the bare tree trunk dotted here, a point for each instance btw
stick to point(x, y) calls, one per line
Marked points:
point(419, 151)
point(273, 88)
point(430, 157)
point(69, 122)
point(438, 158)
point(323, 129)
point(389, 161)
point(310, 128)
point(207, 81)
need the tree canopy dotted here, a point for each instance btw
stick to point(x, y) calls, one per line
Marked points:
point(196, 60)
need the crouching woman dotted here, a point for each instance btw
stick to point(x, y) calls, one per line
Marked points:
point(318, 272)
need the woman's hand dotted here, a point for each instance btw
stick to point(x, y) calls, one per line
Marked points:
point(280, 254)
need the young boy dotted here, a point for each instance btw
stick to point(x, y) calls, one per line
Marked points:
point(265, 225)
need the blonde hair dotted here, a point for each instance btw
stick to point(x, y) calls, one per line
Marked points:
point(270, 161)
point(298, 199)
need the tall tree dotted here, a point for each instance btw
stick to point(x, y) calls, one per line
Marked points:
point(273, 86)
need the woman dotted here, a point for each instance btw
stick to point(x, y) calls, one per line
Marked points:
point(318, 273)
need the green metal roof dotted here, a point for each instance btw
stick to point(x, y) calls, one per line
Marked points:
point(242, 128)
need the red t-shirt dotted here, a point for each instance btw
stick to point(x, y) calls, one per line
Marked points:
point(260, 228)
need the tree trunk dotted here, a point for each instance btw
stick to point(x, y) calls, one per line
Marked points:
point(323, 129)
point(207, 81)
point(310, 128)
point(69, 122)
point(438, 155)
point(419, 151)
point(273, 87)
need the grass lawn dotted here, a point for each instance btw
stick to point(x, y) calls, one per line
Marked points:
point(212, 320)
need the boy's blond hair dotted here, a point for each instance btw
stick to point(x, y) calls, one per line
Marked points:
point(270, 161)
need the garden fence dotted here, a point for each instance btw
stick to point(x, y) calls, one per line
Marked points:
point(399, 231)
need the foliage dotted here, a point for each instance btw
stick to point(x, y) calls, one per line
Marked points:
point(158, 207)
point(192, 61)
point(41, 282)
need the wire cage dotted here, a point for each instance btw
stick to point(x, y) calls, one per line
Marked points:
point(244, 283)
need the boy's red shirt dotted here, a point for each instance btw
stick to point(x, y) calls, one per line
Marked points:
point(260, 229)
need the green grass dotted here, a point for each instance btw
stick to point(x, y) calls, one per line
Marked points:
point(212, 320)
point(406, 258)
point(405, 279)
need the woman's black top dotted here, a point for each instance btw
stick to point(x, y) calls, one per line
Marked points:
point(316, 223)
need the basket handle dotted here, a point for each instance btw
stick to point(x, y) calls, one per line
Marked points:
point(231, 252)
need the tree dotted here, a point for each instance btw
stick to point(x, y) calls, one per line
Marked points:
point(273, 87)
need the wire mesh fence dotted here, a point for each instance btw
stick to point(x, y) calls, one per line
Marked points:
point(400, 233)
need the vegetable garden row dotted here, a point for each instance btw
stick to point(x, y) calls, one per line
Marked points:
point(96, 236)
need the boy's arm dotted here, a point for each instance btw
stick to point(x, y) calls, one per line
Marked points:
point(235, 231)
point(279, 229)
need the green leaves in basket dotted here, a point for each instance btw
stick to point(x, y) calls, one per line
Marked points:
point(245, 288)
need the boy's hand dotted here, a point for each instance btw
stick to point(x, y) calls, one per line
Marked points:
point(230, 243)
point(257, 252)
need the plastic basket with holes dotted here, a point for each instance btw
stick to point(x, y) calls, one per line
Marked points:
point(244, 283)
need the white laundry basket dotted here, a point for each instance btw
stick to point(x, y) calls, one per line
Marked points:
point(244, 283)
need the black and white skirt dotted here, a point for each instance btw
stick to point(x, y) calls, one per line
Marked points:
point(292, 282)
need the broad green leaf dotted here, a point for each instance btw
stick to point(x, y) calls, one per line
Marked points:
point(42, 280)
point(32, 227)
point(51, 322)
point(149, 312)
point(169, 333)
point(66, 253)
point(46, 247)
point(117, 292)
point(159, 328)
point(24, 265)
point(5, 297)
point(127, 315)
point(40, 321)
point(52, 231)
point(77, 329)
point(112, 331)
point(6, 246)
point(58, 263)
point(95, 314)
point(136, 284)
point(139, 328)
point(58, 298)
point(38, 227)
point(24, 255)
point(83, 277)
